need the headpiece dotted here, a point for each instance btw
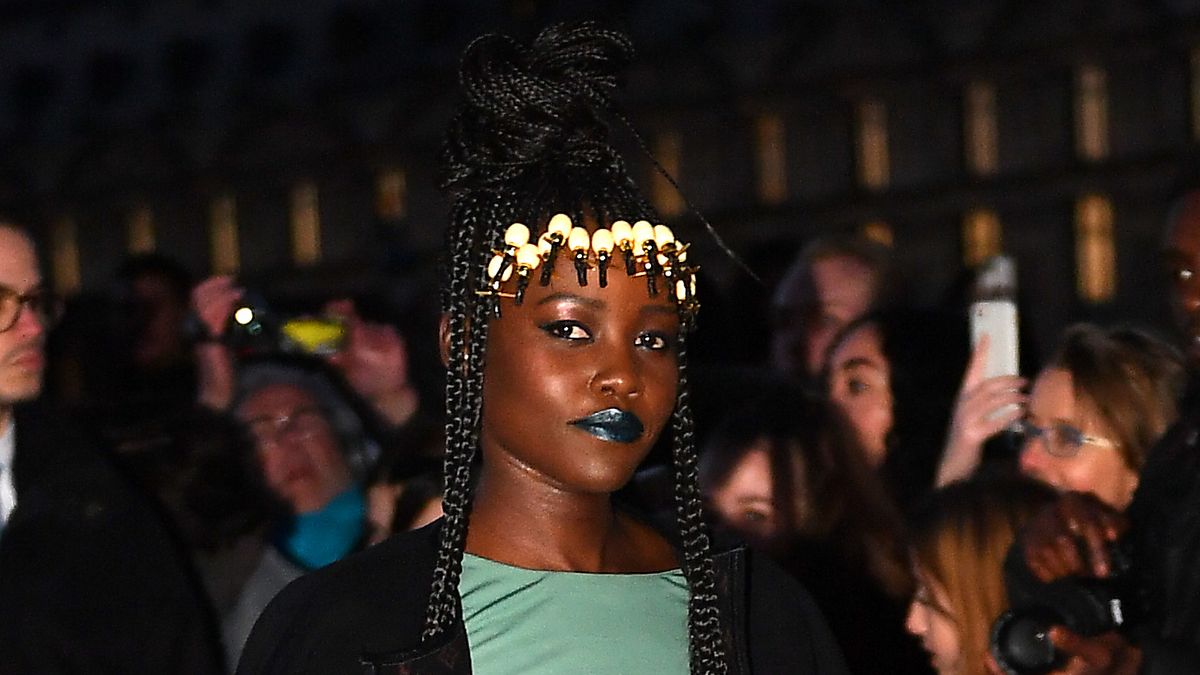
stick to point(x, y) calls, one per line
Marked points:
point(649, 251)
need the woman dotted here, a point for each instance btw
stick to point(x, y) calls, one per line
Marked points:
point(564, 364)
point(894, 374)
point(959, 539)
point(1097, 408)
point(782, 470)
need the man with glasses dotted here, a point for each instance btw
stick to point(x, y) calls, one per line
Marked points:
point(89, 579)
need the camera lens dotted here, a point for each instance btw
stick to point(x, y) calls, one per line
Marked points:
point(1021, 642)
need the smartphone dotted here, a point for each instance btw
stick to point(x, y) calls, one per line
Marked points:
point(318, 335)
point(994, 313)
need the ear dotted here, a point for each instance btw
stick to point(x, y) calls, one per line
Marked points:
point(444, 339)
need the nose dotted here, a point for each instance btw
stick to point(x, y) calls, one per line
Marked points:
point(618, 375)
point(1034, 458)
point(28, 322)
point(914, 621)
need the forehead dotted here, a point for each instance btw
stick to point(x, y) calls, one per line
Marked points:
point(862, 343)
point(18, 260)
point(276, 398)
point(1053, 395)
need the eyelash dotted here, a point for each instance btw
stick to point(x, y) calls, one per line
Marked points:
point(563, 330)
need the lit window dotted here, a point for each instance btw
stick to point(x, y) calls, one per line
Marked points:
point(979, 129)
point(223, 235)
point(1091, 113)
point(140, 230)
point(667, 150)
point(64, 243)
point(306, 224)
point(879, 232)
point(1095, 255)
point(391, 194)
point(770, 136)
point(874, 170)
point(981, 236)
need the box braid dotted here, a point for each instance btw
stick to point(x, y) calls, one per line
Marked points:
point(529, 142)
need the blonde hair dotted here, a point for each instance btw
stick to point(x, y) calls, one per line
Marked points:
point(1132, 380)
point(960, 537)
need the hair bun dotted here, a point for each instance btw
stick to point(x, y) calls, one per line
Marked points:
point(535, 105)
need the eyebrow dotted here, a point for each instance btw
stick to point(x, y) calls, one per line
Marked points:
point(860, 361)
point(600, 304)
point(571, 297)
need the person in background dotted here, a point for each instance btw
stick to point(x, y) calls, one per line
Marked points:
point(894, 374)
point(783, 471)
point(1097, 408)
point(203, 469)
point(90, 579)
point(833, 281)
point(959, 538)
point(1075, 536)
point(314, 456)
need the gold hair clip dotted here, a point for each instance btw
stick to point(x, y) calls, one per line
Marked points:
point(650, 251)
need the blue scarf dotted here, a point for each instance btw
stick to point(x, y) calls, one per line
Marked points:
point(324, 536)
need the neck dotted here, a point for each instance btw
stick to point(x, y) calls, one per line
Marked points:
point(6, 417)
point(531, 524)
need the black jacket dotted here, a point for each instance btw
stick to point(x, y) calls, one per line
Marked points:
point(365, 615)
point(1165, 531)
point(90, 581)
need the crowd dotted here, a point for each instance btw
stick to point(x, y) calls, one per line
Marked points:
point(204, 483)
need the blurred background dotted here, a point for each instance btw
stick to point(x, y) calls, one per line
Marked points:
point(296, 144)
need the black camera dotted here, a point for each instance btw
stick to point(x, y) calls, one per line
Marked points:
point(254, 328)
point(1020, 639)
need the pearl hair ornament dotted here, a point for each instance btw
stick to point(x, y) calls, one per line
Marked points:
point(649, 251)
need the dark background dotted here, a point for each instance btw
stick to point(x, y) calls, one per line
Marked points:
point(113, 108)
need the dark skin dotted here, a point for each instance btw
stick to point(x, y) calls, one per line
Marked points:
point(1072, 537)
point(544, 496)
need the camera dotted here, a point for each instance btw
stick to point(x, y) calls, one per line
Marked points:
point(254, 328)
point(1020, 640)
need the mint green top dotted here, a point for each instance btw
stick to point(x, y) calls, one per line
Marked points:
point(528, 622)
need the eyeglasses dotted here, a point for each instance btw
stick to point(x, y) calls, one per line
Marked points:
point(303, 422)
point(1062, 439)
point(45, 305)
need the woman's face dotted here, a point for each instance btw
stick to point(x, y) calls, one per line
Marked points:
point(579, 381)
point(930, 618)
point(745, 501)
point(1095, 466)
point(860, 384)
point(299, 452)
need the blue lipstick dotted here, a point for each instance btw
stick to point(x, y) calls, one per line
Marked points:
point(612, 424)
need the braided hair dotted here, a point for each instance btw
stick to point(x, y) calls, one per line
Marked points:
point(529, 141)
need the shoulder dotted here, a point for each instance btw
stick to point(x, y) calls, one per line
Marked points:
point(785, 630)
point(371, 602)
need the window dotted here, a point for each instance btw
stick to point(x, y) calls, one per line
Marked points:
point(770, 139)
point(306, 224)
point(1095, 256)
point(223, 234)
point(874, 170)
point(981, 236)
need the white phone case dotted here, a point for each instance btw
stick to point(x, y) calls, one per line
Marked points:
point(998, 320)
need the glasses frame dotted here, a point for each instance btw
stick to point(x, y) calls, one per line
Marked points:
point(1068, 450)
point(294, 422)
point(44, 303)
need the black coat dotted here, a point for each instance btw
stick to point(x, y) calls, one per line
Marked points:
point(90, 581)
point(365, 615)
point(1165, 532)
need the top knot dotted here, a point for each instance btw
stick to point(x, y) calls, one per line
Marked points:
point(539, 105)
